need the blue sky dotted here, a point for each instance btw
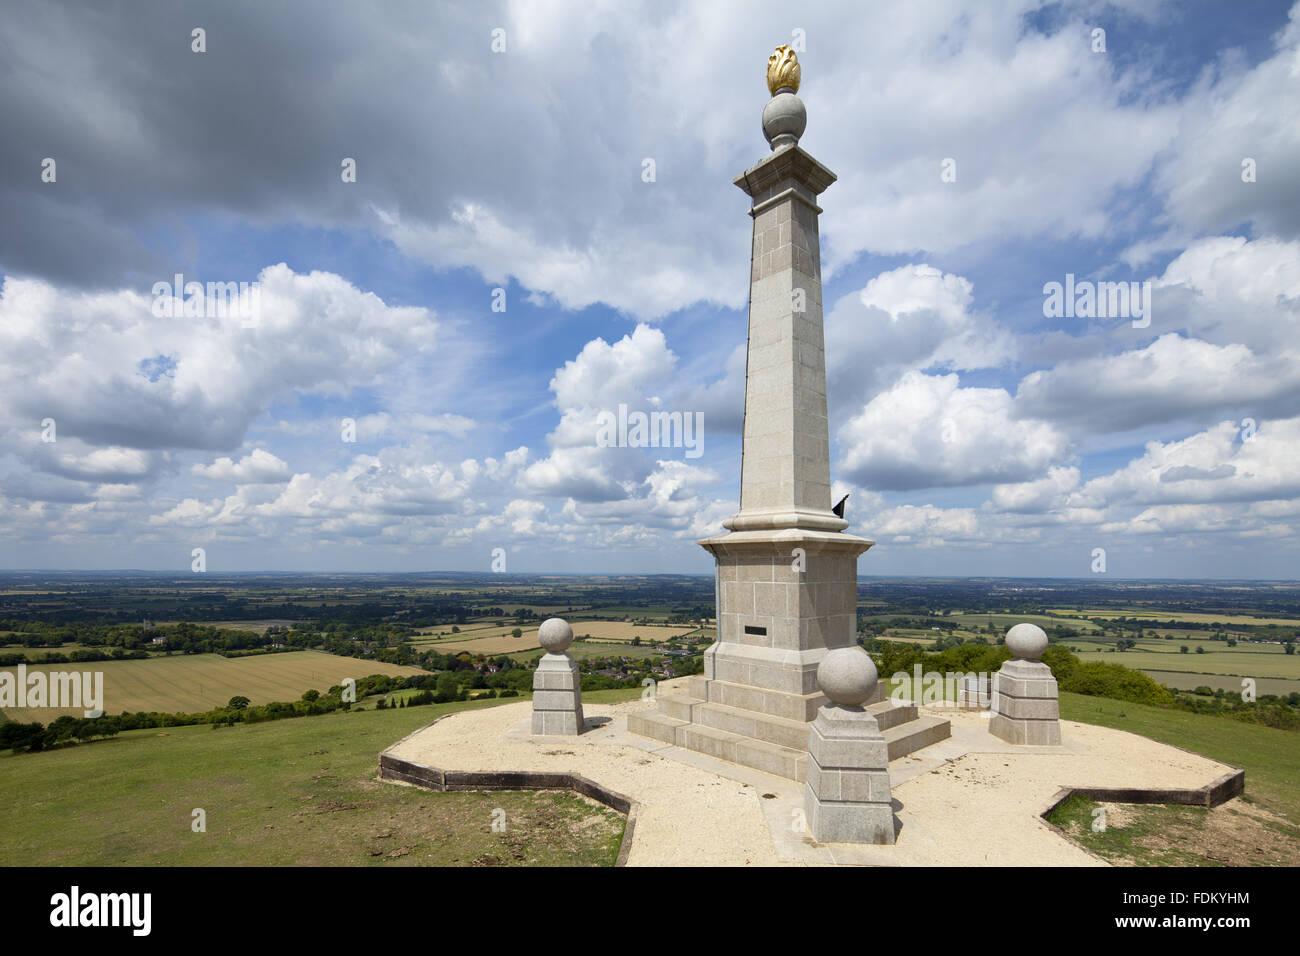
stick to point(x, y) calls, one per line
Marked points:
point(976, 435)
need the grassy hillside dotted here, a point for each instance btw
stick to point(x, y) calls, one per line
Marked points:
point(289, 792)
point(1269, 757)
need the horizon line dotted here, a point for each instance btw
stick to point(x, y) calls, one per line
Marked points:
point(609, 574)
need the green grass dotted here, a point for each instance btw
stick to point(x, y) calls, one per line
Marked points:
point(1132, 844)
point(302, 791)
point(1269, 757)
point(1261, 829)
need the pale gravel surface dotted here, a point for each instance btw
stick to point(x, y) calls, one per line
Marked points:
point(969, 800)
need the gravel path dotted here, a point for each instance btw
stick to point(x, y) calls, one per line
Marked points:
point(968, 801)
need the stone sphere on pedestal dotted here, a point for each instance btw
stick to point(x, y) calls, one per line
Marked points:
point(1027, 641)
point(784, 119)
point(555, 635)
point(847, 675)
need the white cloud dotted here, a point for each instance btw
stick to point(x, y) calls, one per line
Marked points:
point(1232, 114)
point(1171, 379)
point(101, 465)
point(912, 317)
point(1038, 495)
point(83, 359)
point(1212, 466)
point(259, 467)
point(926, 431)
point(1228, 290)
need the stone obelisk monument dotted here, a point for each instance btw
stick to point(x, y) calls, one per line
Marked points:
point(786, 571)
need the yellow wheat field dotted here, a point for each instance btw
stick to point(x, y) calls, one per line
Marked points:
point(198, 682)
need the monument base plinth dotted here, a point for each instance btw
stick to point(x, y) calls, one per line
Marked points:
point(557, 696)
point(1026, 708)
point(846, 794)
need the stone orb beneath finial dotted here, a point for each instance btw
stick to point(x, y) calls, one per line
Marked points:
point(555, 635)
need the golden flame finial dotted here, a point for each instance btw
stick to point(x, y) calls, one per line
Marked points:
point(782, 70)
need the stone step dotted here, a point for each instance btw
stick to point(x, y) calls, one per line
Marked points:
point(748, 723)
point(768, 702)
point(887, 715)
point(772, 744)
point(656, 725)
point(783, 761)
point(762, 755)
point(759, 700)
point(678, 706)
point(759, 754)
point(915, 734)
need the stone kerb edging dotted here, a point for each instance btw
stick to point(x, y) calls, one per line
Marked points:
point(1211, 795)
point(434, 778)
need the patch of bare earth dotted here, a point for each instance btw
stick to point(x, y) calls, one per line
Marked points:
point(1236, 833)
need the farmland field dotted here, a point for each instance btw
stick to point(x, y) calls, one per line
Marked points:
point(499, 644)
point(1252, 661)
point(1183, 680)
point(623, 631)
point(580, 650)
point(1189, 617)
point(499, 640)
point(198, 682)
point(1004, 621)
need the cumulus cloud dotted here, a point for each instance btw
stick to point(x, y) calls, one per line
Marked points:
point(1226, 289)
point(926, 431)
point(579, 224)
point(1237, 113)
point(81, 359)
point(1225, 463)
point(1172, 378)
point(259, 467)
point(1038, 495)
point(635, 371)
point(912, 317)
point(544, 190)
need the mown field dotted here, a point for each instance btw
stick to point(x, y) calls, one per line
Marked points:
point(286, 793)
point(1189, 681)
point(1190, 617)
point(1002, 622)
point(498, 639)
point(1267, 660)
point(197, 682)
point(581, 650)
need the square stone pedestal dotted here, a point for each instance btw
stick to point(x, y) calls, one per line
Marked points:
point(846, 793)
point(557, 696)
point(1026, 706)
